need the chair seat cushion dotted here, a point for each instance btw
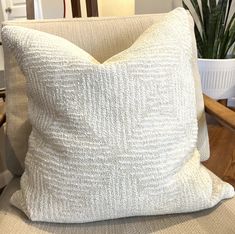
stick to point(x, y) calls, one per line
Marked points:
point(220, 219)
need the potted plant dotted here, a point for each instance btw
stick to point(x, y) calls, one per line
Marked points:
point(215, 36)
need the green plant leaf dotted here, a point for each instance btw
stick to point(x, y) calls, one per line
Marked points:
point(185, 6)
point(233, 52)
point(231, 38)
point(212, 4)
point(226, 37)
point(214, 31)
point(222, 46)
point(197, 9)
point(198, 35)
point(199, 42)
point(231, 22)
point(220, 26)
point(196, 15)
point(205, 14)
point(228, 11)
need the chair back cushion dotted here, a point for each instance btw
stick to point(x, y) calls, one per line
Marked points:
point(102, 38)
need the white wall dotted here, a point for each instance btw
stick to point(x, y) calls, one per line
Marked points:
point(131, 7)
point(155, 6)
point(161, 6)
point(53, 9)
point(116, 7)
point(2, 9)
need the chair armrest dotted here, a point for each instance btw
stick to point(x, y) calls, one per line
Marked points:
point(2, 108)
point(3, 93)
point(2, 119)
point(223, 114)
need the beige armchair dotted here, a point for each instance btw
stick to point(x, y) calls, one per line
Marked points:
point(102, 37)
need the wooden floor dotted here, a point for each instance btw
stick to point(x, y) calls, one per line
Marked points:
point(222, 157)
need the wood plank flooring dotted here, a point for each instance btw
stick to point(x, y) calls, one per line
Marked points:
point(222, 157)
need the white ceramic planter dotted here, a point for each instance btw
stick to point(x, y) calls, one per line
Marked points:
point(218, 77)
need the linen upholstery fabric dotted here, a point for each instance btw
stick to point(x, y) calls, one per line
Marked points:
point(106, 140)
point(220, 219)
point(102, 38)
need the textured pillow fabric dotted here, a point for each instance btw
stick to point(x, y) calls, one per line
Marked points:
point(112, 35)
point(114, 139)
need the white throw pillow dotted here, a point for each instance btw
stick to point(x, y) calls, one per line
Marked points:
point(114, 139)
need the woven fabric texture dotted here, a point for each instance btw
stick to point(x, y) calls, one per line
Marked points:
point(109, 139)
point(217, 220)
point(102, 38)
